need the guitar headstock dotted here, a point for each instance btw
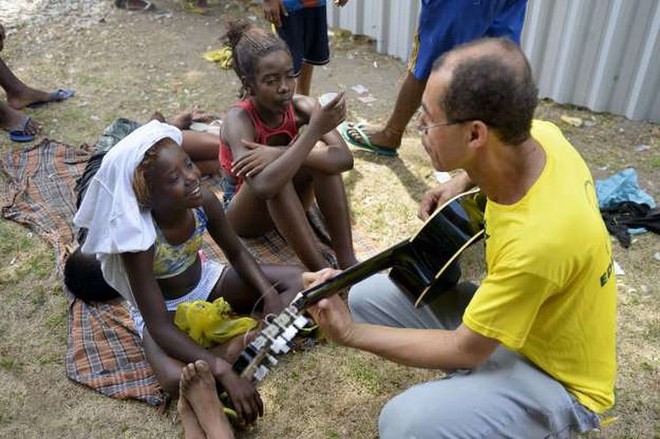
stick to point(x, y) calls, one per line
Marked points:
point(273, 340)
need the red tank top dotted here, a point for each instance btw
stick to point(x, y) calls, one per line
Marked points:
point(288, 127)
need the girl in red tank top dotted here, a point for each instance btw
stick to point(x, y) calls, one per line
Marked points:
point(273, 169)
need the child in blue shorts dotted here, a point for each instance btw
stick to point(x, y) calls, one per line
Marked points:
point(303, 25)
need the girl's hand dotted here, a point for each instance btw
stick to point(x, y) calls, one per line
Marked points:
point(313, 278)
point(273, 11)
point(326, 118)
point(255, 160)
point(243, 395)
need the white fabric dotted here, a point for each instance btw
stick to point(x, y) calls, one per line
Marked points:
point(110, 211)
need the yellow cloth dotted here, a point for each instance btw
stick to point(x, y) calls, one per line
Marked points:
point(550, 291)
point(210, 323)
point(191, 6)
point(220, 56)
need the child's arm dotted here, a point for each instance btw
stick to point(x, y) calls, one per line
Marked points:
point(330, 154)
point(238, 256)
point(150, 302)
point(239, 132)
point(273, 11)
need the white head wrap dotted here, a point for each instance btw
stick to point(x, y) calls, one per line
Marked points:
point(110, 211)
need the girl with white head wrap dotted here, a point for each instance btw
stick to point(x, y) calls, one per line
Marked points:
point(132, 242)
point(110, 211)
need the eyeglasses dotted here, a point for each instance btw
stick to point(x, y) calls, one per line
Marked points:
point(423, 130)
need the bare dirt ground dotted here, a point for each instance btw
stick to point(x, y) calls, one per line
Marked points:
point(130, 63)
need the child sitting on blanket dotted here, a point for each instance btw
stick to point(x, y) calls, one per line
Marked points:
point(82, 272)
point(145, 211)
point(272, 169)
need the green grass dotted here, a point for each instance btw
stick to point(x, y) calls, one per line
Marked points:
point(11, 364)
point(365, 376)
point(652, 332)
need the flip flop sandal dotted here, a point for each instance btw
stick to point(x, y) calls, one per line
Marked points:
point(123, 4)
point(58, 95)
point(347, 129)
point(19, 133)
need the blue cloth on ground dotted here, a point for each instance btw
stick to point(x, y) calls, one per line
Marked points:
point(622, 187)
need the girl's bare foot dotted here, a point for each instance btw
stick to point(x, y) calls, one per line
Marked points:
point(182, 120)
point(191, 428)
point(197, 386)
point(157, 115)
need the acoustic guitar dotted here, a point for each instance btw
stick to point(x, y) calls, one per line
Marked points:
point(422, 266)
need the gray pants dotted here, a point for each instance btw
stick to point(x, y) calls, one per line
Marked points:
point(506, 396)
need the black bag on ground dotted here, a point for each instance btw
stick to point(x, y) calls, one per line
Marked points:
point(630, 215)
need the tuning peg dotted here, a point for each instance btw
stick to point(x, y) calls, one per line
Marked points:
point(260, 373)
point(272, 360)
point(301, 321)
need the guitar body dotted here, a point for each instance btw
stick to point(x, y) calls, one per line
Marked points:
point(429, 265)
point(425, 263)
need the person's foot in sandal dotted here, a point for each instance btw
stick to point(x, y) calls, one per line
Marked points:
point(25, 96)
point(358, 135)
point(135, 5)
point(21, 128)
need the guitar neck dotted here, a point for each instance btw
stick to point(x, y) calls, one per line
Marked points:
point(350, 276)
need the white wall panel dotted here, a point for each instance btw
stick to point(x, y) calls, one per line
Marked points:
point(601, 54)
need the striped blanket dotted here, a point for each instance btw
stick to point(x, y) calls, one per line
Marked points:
point(103, 349)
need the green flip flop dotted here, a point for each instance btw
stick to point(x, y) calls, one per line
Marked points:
point(347, 131)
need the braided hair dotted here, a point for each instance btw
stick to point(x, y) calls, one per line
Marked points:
point(249, 44)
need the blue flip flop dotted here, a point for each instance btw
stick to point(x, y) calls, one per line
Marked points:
point(58, 95)
point(19, 133)
point(346, 130)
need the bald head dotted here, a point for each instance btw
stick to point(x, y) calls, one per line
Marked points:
point(489, 80)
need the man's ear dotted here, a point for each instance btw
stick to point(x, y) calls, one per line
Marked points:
point(478, 134)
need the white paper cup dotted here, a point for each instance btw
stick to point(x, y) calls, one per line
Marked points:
point(325, 98)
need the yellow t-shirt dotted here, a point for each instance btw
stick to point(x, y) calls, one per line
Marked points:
point(550, 291)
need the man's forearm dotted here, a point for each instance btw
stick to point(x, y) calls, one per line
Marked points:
point(426, 348)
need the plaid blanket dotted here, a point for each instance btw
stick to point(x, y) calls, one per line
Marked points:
point(103, 349)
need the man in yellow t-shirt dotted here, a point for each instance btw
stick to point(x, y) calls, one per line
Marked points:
point(532, 350)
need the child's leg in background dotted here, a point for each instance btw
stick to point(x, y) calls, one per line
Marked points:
point(331, 198)
point(306, 34)
point(304, 80)
point(286, 213)
point(203, 149)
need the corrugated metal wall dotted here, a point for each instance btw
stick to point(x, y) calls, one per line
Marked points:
point(601, 54)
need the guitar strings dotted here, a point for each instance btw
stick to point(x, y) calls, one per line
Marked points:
point(265, 318)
